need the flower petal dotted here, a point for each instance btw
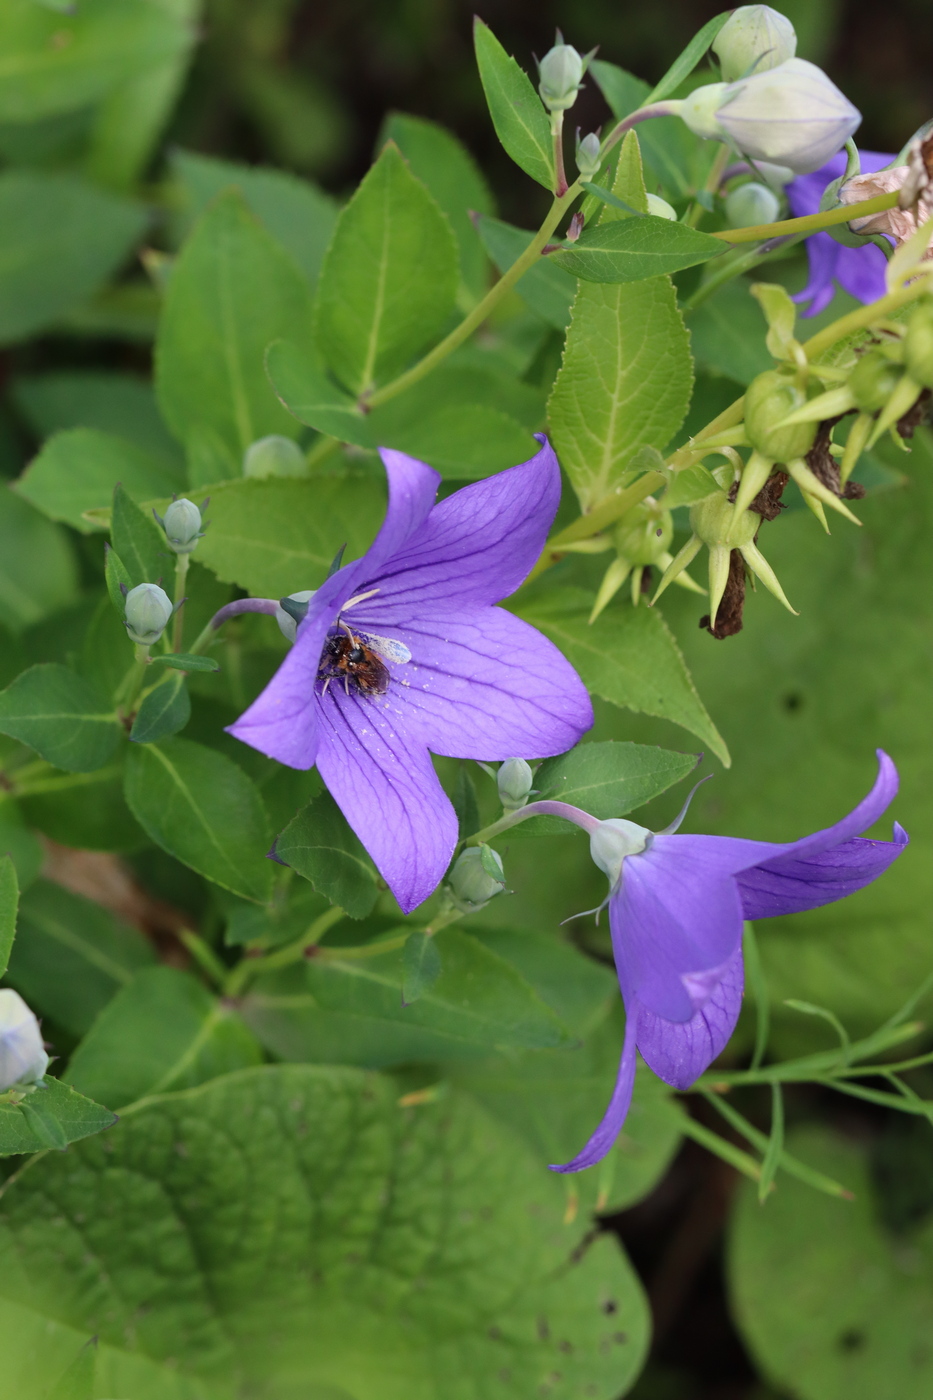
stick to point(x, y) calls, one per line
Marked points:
point(607, 1132)
point(383, 781)
point(793, 883)
point(679, 1052)
point(862, 816)
point(412, 494)
point(862, 272)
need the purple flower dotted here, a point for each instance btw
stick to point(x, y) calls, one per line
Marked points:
point(403, 652)
point(859, 271)
point(676, 908)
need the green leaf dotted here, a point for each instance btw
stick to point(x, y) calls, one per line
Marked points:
point(138, 540)
point(232, 1175)
point(20, 844)
point(546, 288)
point(606, 779)
point(629, 659)
point(463, 798)
point(631, 249)
point(117, 405)
point(678, 160)
point(522, 124)
point(78, 1381)
point(38, 568)
point(626, 376)
point(306, 389)
point(320, 845)
point(9, 902)
point(231, 292)
point(198, 805)
point(60, 239)
point(85, 810)
point(71, 956)
point(389, 279)
point(686, 61)
point(162, 1031)
point(181, 661)
point(116, 574)
point(448, 171)
point(827, 1300)
point(51, 1116)
point(61, 716)
point(621, 89)
point(421, 966)
point(76, 471)
point(164, 710)
point(726, 334)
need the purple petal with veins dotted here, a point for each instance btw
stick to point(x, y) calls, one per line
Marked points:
point(859, 271)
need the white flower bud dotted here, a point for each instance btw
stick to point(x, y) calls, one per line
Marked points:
point(147, 611)
point(514, 780)
point(274, 456)
point(792, 115)
point(660, 207)
point(588, 161)
point(182, 525)
point(751, 204)
point(288, 621)
point(753, 39)
point(615, 839)
point(476, 877)
point(22, 1057)
point(560, 74)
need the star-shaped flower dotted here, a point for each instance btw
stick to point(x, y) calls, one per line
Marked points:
point(402, 653)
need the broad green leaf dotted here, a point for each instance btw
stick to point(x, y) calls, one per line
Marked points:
point(9, 901)
point(350, 1009)
point(52, 1115)
point(231, 292)
point(451, 175)
point(298, 215)
point(60, 239)
point(70, 956)
point(21, 845)
point(55, 64)
point(77, 1383)
point(320, 845)
point(622, 90)
point(389, 278)
point(181, 661)
point(164, 710)
point(626, 376)
point(38, 568)
point(630, 658)
point(630, 250)
point(518, 114)
point(162, 1031)
point(606, 779)
point(578, 989)
point(306, 389)
point(85, 810)
point(139, 542)
point(422, 966)
point(280, 535)
point(247, 1187)
point(57, 713)
point(686, 61)
point(77, 470)
point(727, 334)
point(119, 405)
point(202, 808)
point(828, 1302)
point(546, 288)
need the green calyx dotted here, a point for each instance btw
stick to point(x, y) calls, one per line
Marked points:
point(874, 380)
point(713, 521)
point(644, 534)
point(770, 399)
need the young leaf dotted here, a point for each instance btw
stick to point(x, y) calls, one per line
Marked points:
point(163, 711)
point(518, 114)
point(630, 250)
point(389, 279)
point(117, 576)
point(199, 806)
point(546, 288)
point(421, 966)
point(76, 471)
point(138, 540)
point(686, 61)
point(61, 716)
point(50, 1117)
point(320, 846)
point(9, 901)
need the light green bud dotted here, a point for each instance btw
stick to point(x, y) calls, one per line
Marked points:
point(874, 380)
point(560, 74)
point(753, 39)
point(182, 525)
point(514, 780)
point(751, 204)
point(918, 346)
point(23, 1060)
point(713, 522)
point(700, 109)
point(645, 533)
point(147, 611)
point(588, 161)
point(274, 456)
point(476, 877)
point(660, 208)
point(613, 841)
point(791, 115)
point(768, 400)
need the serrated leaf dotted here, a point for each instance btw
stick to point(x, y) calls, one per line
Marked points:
point(606, 779)
point(422, 966)
point(319, 844)
point(522, 124)
point(182, 661)
point(76, 471)
point(630, 659)
point(139, 542)
point(56, 712)
point(389, 279)
point(164, 710)
point(9, 902)
point(50, 1117)
point(631, 249)
point(546, 288)
point(198, 805)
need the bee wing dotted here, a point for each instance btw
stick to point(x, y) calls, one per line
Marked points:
point(387, 647)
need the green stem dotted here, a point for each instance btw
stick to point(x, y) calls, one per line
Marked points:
point(133, 684)
point(560, 177)
point(862, 318)
point(181, 574)
point(809, 223)
point(204, 956)
point(248, 968)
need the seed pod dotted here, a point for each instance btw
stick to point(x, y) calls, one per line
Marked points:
point(768, 401)
point(874, 380)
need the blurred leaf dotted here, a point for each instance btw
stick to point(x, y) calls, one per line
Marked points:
point(20, 844)
point(76, 471)
point(579, 990)
point(674, 157)
point(139, 542)
point(9, 902)
point(202, 808)
point(306, 389)
point(422, 966)
point(51, 1116)
point(518, 114)
point(287, 916)
point(605, 779)
point(181, 661)
point(320, 845)
point(164, 710)
point(632, 249)
point(85, 810)
point(389, 278)
point(57, 713)
point(463, 798)
point(70, 956)
point(546, 287)
point(162, 1031)
point(727, 334)
point(121, 405)
point(60, 239)
point(231, 292)
point(78, 1381)
point(117, 577)
point(38, 569)
point(621, 89)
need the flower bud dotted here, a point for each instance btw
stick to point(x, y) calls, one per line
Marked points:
point(700, 110)
point(289, 618)
point(560, 73)
point(792, 115)
point(754, 39)
point(751, 204)
point(182, 525)
point(274, 456)
point(644, 534)
point(514, 780)
point(588, 161)
point(660, 207)
point(147, 611)
point(768, 400)
point(615, 839)
point(713, 521)
point(918, 346)
point(476, 877)
point(22, 1056)
point(874, 380)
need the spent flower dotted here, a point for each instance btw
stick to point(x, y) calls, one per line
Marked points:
point(858, 271)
